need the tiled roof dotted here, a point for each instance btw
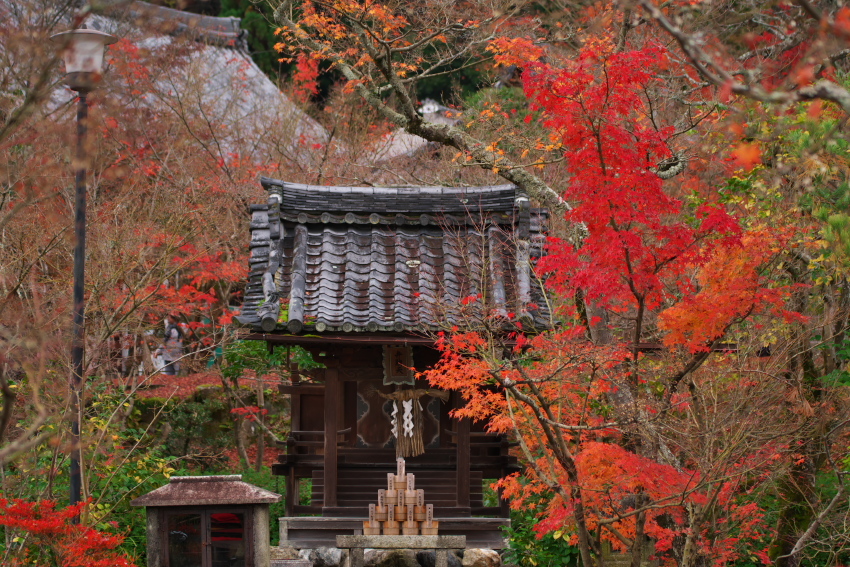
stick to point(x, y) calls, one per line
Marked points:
point(392, 259)
point(211, 30)
point(217, 84)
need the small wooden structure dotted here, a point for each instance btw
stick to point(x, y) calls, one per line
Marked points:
point(207, 521)
point(364, 278)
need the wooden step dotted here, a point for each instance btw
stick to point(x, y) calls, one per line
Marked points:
point(443, 511)
point(360, 488)
point(381, 478)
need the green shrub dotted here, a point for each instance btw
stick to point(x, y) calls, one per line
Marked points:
point(527, 550)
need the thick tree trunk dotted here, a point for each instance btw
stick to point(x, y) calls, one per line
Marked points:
point(798, 487)
point(793, 519)
point(640, 540)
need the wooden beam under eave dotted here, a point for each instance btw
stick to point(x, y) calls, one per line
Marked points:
point(356, 338)
point(348, 339)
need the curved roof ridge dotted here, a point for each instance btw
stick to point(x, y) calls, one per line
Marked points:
point(398, 199)
point(224, 31)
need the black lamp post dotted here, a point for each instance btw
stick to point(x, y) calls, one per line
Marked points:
point(82, 51)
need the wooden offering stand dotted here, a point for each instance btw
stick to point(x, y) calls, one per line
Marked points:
point(391, 526)
point(419, 508)
point(411, 526)
point(401, 508)
point(430, 526)
point(372, 526)
point(391, 494)
point(381, 513)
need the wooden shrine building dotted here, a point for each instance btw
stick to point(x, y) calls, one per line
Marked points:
point(364, 278)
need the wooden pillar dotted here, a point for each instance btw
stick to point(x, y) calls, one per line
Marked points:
point(292, 493)
point(332, 409)
point(295, 413)
point(291, 498)
point(463, 448)
point(446, 423)
point(504, 455)
point(504, 505)
point(350, 401)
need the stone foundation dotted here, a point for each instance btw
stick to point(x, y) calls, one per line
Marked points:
point(286, 556)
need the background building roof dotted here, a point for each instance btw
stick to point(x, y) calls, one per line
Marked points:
point(218, 84)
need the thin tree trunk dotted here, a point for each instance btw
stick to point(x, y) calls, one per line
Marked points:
point(261, 436)
point(240, 443)
point(689, 551)
point(639, 541)
point(238, 429)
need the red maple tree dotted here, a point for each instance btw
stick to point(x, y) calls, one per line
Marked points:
point(594, 419)
point(43, 534)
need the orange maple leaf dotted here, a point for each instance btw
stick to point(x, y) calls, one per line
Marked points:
point(747, 156)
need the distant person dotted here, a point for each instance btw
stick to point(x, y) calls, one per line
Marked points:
point(172, 346)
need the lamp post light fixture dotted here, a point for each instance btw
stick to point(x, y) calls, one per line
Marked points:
point(82, 51)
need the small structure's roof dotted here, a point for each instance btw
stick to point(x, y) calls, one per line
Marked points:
point(393, 259)
point(205, 491)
